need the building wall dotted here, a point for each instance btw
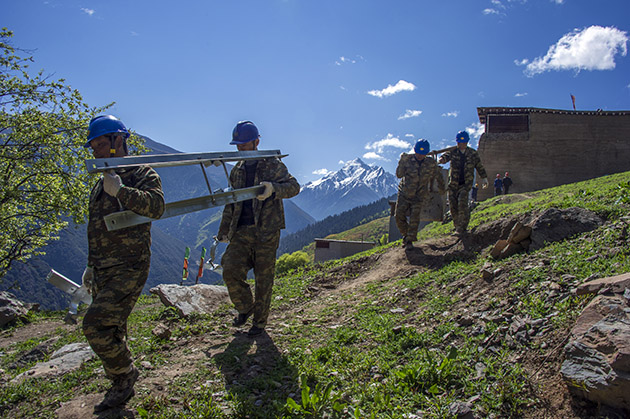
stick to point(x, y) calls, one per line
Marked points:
point(558, 149)
point(337, 249)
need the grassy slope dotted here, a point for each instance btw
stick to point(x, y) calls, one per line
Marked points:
point(390, 348)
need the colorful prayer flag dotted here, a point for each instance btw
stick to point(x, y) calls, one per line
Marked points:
point(185, 273)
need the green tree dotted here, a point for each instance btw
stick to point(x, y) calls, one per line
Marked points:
point(43, 181)
point(294, 260)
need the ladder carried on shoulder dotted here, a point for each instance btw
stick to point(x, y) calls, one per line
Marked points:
point(220, 197)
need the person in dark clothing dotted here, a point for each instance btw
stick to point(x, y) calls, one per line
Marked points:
point(507, 182)
point(473, 192)
point(498, 185)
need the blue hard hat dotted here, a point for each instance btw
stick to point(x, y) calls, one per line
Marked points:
point(462, 137)
point(244, 132)
point(105, 124)
point(422, 147)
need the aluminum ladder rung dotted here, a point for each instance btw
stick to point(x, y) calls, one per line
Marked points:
point(123, 219)
point(176, 159)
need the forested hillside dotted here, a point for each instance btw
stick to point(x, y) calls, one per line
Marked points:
point(334, 224)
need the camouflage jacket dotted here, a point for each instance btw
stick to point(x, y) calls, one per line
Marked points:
point(141, 193)
point(472, 162)
point(416, 176)
point(268, 214)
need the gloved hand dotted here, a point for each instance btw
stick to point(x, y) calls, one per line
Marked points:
point(87, 279)
point(267, 192)
point(111, 183)
point(484, 183)
point(216, 163)
point(442, 159)
point(221, 238)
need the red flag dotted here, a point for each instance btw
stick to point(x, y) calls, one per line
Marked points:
point(573, 100)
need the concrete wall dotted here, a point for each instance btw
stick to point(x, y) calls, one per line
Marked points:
point(559, 148)
point(337, 249)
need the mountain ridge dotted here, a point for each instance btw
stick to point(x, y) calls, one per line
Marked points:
point(355, 184)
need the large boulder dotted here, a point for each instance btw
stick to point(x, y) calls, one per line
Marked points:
point(558, 224)
point(597, 357)
point(199, 298)
point(11, 309)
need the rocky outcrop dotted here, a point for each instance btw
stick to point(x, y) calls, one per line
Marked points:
point(11, 309)
point(597, 357)
point(199, 298)
point(552, 225)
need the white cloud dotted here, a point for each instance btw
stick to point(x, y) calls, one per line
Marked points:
point(345, 60)
point(475, 130)
point(88, 11)
point(520, 94)
point(409, 113)
point(321, 172)
point(409, 135)
point(592, 48)
point(373, 156)
point(558, 1)
point(401, 86)
point(389, 141)
point(453, 114)
point(490, 12)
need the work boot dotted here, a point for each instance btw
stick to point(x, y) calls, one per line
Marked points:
point(408, 245)
point(241, 319)
point(255, 331)
point(121, 390)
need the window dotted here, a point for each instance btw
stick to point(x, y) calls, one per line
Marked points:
point(508, 123)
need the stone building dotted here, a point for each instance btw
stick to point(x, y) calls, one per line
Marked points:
point(542, 148)
point(327, 249)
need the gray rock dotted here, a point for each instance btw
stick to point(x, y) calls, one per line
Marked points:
point(616, 284)
point(597, 358)
point(62, 361)
point(11, 308)
point(199, 298)
point(558, 224)
point(38, 353)
point(460, 410)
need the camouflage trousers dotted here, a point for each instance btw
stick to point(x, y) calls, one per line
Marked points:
point(408, 208)
point(105, 322)
point(460, 211)
point(246, 251)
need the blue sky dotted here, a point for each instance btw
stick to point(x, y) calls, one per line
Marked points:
point(327, 81)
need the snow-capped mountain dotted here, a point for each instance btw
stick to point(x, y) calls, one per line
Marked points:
point(355, 184)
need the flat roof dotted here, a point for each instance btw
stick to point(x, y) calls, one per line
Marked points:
point(483, 112)
point(343, 241)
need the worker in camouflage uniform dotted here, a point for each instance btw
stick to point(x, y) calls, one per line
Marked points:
point(252, 228)
point(464, 160)
point(417, 173)
point(118, 261)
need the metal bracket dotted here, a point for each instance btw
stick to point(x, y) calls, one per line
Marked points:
point(177, 159)
point(118, 220)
